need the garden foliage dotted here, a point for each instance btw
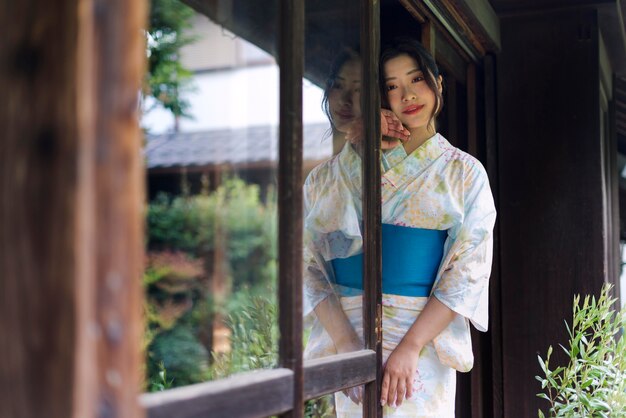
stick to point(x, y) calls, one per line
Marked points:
point(182, 235)
point(593, 382)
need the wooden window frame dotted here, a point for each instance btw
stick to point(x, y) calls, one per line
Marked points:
point(284, 390)
point(96, 178)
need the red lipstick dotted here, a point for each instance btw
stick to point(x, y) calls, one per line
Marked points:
point(413, 109)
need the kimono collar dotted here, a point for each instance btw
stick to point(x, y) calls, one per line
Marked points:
point(402, 168)
point(397, 166)
point(350, 168)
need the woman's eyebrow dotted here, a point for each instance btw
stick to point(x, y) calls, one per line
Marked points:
point(414, 70)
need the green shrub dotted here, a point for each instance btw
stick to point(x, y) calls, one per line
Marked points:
point(254, 336)
point(181, 354)
point(593, 383)
point(253, 323)
point(182, 233)
point(235, 214)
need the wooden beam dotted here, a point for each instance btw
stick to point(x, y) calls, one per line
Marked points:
point(330, 374)
point(261, 393)
point(508, 8)
point(253, 394)
point(455, 31)
point(480, 18)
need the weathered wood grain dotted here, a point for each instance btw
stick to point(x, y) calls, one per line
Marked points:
point(71, 208)
point(331, 374)
point(246, 395)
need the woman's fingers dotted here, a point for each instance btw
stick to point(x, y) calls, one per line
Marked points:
point(397, 130)
point(392, 126)
point(400, 392)
point(389, 143)
point(384, 389)
point(409, 387)
point(391, 397)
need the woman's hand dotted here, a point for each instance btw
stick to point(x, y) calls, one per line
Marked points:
point(350, 345)
point(399, 373)
point(392, 130)
point(334, 320)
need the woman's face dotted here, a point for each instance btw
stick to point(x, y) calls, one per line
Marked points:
point(344, 98)
point(408, 94)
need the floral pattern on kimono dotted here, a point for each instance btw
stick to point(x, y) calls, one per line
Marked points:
point(438, 187)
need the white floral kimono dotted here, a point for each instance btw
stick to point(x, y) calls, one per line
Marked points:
point(435, 187)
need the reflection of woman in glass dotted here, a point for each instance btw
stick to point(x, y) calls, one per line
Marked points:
point(438, 215)
point(342, 102)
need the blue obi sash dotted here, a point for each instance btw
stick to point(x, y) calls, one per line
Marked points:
point(411, 258)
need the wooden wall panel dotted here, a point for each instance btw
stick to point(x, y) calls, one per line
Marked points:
point(550, 188)
point(70, 208)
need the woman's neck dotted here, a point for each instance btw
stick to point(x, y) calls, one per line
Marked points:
point(418, 137)
point(339, 139)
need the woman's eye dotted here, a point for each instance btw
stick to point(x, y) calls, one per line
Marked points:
point(390, 87)
point(418, 79)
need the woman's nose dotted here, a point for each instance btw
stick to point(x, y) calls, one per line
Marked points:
point(408, 94)
point(346, 97)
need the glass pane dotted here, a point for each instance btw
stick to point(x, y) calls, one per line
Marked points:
point(211, 121)
point(322, 407)
point(333, 251)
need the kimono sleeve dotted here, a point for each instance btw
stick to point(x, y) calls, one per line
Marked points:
point(316, 284)
point(464, 282)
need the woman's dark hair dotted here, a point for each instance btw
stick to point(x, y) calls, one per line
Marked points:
point(425, 62)
point(346, 55)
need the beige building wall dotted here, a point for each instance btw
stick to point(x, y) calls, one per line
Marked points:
point(217, 48)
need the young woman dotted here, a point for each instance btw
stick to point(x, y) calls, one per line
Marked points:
point(438, 216)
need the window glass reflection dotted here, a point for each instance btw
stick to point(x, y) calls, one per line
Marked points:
point(211, 151)
point(332, 255)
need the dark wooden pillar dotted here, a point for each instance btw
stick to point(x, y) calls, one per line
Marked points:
point(551, 206)
point(37, 207)
point(70, 208)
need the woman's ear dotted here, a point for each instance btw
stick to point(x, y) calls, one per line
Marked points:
point(440, 84)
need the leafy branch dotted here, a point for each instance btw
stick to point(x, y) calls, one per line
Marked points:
point(167, 34)
point(593, 383)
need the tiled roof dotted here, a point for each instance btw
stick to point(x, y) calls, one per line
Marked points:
point(256, 144)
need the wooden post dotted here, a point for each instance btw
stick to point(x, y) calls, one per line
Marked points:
point(372, 211)
point(70, 208)
point(291, 59)
point(109, 240)
point(472, 114)
point(37, 208)
point(550, 187)
point(428, 37)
